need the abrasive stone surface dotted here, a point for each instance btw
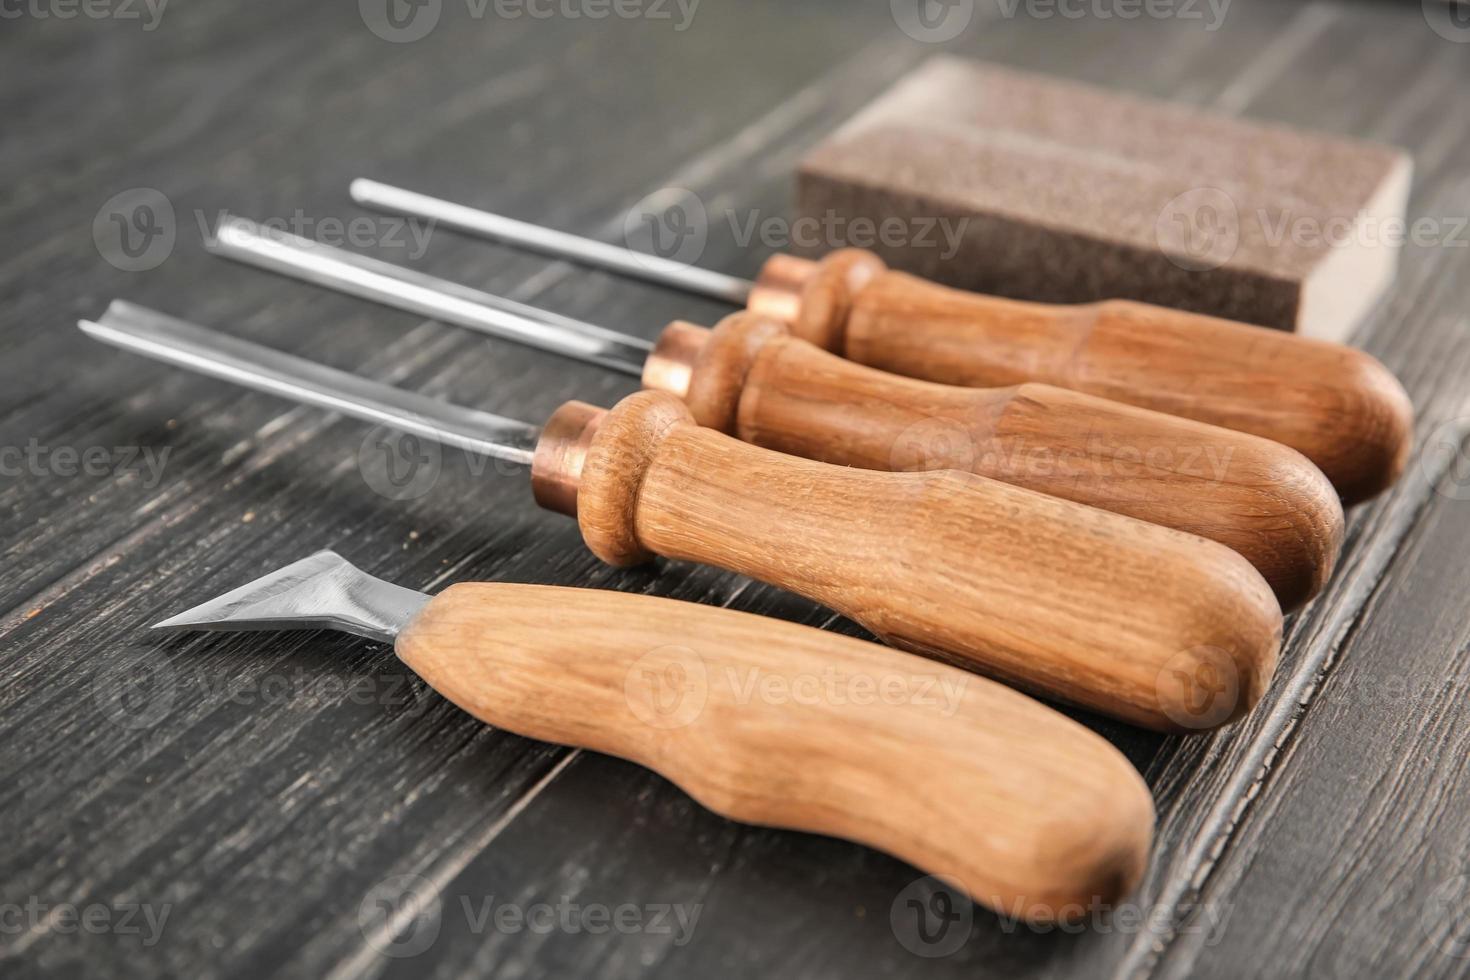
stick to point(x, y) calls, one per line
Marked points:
point(1063, 192)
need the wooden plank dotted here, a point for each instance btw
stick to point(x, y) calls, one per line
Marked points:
point(265, 806)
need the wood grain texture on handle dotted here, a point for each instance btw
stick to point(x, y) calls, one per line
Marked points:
point(1339, 407)
point(750, 378)
point(1148, 624)
point(783, 725)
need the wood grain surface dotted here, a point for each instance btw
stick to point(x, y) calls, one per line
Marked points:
point(273, 801)
point(1132, 620)
point(783, 725)
point(1339, 407)
point(748, 377)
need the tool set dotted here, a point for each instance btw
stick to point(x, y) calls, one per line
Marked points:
point(1025, 808)
point(1108, 504)
point(1078, 603)
point(748, 377)
point(1339, 407)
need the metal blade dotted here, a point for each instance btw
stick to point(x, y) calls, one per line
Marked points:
point(324, 591)
point(415, 292)
point(586, 251)
point(173, 341)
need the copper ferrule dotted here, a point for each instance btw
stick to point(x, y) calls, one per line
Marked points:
point(671, 365)
point(777, 291)
point(556, 469)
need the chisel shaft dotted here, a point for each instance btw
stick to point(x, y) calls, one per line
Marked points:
point(1338, 406)
point(751, 378)
point(1128, 618)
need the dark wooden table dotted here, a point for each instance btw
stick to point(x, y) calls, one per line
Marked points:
point(244, 805)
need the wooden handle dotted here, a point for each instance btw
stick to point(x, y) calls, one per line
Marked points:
point(1143, 622)
point(777, 724)
point(1339, 407)
point(750, 378)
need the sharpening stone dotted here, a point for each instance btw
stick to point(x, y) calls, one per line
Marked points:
point(1061, 192)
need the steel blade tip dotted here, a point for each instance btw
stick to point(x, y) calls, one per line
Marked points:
point(209, 613)
point(322, 591)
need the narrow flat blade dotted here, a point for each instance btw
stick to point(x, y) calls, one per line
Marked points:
point(173, 341)
point(586, 251)
point(324, 591)
point(416, 292)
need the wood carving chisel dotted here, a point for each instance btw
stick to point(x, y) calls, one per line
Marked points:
point(748, 377)
point(1338, 406)
point(1128, 618)
point(1025, 809)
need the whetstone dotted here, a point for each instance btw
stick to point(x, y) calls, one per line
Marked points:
point(1061, 192)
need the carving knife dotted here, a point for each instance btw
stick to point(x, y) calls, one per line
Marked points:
point(760, 720)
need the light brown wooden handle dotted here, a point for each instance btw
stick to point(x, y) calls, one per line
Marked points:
point(1143, 622)
point(1339, 407)
point(777, 724)
point(750, 378)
